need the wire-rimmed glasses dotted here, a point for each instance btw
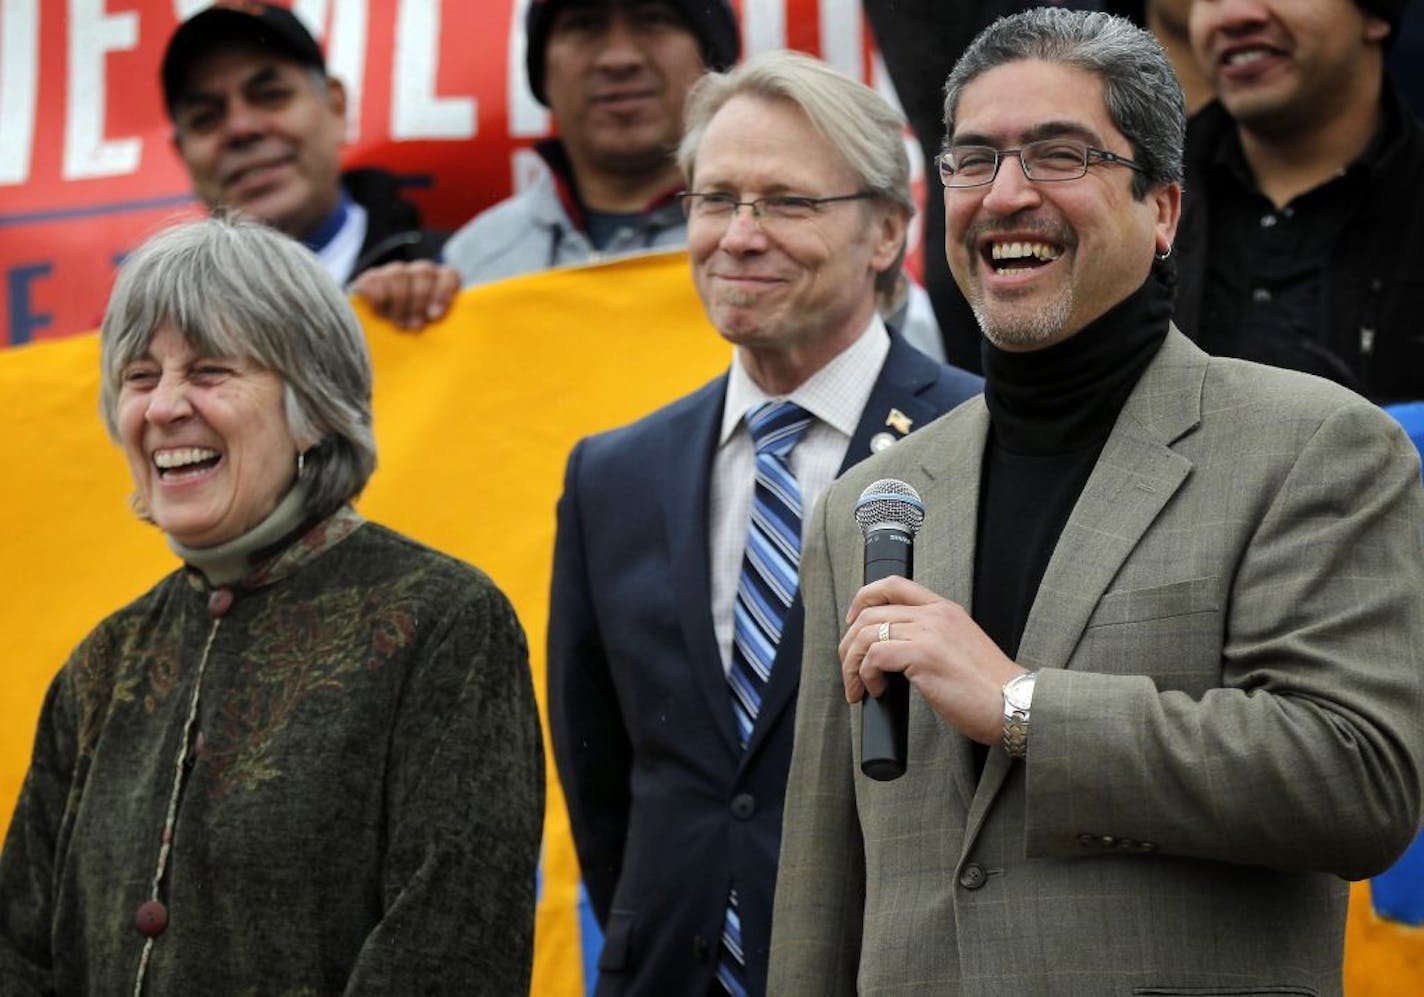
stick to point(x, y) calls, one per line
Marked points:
point(1046, 161)
point(719, 206)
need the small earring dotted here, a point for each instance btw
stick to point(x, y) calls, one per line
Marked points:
point(1163, 257)
point(301, 463)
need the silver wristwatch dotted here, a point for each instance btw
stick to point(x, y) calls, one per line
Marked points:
point(1018, 697)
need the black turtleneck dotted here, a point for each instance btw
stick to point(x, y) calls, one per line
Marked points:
point(1050, 412)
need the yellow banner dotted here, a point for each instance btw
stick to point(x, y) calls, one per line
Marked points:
point(474, 418)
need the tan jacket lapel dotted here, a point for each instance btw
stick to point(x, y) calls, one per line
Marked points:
point(945, 563)
point(1135, 477)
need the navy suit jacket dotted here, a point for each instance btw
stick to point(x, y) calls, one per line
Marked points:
point(667, 811)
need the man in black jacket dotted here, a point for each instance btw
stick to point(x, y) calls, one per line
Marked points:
point(259, 124)
point(1302, 237)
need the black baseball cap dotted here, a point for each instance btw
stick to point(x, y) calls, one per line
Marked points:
point(263, 24)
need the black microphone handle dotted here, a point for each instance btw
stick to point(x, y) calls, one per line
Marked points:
point(885, 719)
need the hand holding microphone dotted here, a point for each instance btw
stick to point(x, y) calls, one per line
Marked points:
point(902, 633)
point(889, 514)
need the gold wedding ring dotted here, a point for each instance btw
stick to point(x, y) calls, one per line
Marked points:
point(884, 632)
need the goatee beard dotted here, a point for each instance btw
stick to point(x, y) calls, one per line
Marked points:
point(1038, 328)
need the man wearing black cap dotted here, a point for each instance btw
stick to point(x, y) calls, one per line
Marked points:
point(1302, 236)
point(259, 124)
point(614, 73)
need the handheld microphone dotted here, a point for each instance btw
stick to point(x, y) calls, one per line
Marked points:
point(889, 514)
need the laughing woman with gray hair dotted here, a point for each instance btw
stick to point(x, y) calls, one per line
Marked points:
point(308, 761)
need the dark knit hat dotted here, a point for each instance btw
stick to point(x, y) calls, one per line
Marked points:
point(711, 21)
point(263, 24)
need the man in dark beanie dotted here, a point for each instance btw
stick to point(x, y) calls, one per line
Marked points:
point(615, 74)
point(1302, 235)
point(259, 124)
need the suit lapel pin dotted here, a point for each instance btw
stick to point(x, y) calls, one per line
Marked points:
point(899, 421)
point(880, 441)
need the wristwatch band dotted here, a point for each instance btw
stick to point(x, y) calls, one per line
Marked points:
point(1018, 696)
point(1016, 734)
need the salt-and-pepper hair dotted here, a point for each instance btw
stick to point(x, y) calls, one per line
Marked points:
point(859, 123)
point(236, 288)
point(1144, 99)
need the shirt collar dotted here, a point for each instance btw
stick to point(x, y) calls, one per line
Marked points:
point(328, 227)
point(340, 253)
point(836, 394)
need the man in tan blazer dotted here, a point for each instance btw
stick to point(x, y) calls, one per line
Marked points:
point(1165, 641)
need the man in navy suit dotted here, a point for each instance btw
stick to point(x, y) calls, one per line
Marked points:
point(675, 631)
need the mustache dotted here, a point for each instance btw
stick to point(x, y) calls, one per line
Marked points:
point(1046, 229)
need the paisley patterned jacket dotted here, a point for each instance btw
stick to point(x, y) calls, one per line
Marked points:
point(351, 791)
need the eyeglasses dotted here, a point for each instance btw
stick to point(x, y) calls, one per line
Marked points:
point(1047, 161)
point(772, 209)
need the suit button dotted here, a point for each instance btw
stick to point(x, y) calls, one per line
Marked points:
point(1148, 847)
point(972, 877)
point(1107, 841)
point(743, 806)
point(699, 948)
point(1087, 840)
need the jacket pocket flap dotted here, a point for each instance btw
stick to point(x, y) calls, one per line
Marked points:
point(1192, 595)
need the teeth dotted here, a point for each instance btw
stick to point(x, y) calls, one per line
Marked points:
point(1245, 55)
point(168, 459)
point(1024, 250)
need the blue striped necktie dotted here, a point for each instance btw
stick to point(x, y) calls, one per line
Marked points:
point(764, 592)
point(768, 580)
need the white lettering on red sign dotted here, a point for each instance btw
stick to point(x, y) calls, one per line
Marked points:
point(346, 56)
point(527, 117)
point(19, 86)
point(763, 25)
point(416, 111)
point(93, 34)
point(841, 44)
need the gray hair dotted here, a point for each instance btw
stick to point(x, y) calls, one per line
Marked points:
point(235, 288)
point(856, 121)
point(1141, 90)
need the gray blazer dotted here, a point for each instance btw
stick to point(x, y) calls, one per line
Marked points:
point(1227, 725)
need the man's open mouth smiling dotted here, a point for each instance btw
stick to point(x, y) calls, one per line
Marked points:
point(1006, 258)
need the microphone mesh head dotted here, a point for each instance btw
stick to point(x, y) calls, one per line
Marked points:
point(890, 502)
